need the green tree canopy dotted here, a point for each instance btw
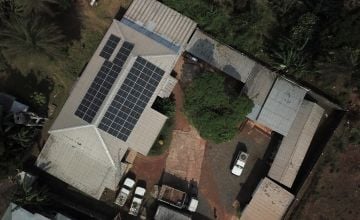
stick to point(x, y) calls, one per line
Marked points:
point(212, 111)
point(30, 44)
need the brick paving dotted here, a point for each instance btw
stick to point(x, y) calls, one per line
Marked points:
point(186, 155)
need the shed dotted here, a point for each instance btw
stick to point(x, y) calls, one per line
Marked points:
point(221, 56)
point(294, 146)
point(281, 106)
point(165, 213)
point(270, 201)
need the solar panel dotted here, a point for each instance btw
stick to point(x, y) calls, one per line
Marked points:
point(101, 85)
point(109, 47)
point(131, 99)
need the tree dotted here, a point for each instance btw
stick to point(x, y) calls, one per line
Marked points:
point(215, 114)
point(30, 44)
point(29, 7)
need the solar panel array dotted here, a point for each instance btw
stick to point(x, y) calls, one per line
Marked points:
point(102, 83)
point(131, 99)
point(109, 47)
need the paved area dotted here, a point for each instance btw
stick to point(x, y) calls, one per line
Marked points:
point(186, 155)
point(218, 162)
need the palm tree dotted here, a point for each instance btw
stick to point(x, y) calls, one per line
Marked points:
point(29, 7)
point(30, 44)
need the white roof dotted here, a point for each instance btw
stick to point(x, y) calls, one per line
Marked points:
point(281, 106)
point(221, 56)
point(160, 22)
point(140, 191)
point(79, 157)
point(270, 201)
point(15, 212)
point(294, 146)
point(129, 182)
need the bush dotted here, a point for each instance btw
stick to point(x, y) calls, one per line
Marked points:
point(215, 114)
point(38, 99)
point(165, 106)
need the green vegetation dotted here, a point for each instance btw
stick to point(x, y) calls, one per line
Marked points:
point(310, 40)
point(241, 24)
point(216, 114)
point(15, 144)
point(165, 106)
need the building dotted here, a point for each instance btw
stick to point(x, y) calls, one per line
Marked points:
point(109, 110)
point(270, 201)
point(221, 56)
point(165, 213)
point(294, 146)
point(10, 105)
point(15, 212)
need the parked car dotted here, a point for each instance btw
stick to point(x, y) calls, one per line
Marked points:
point(239, 163)
point(125, 191)
point(137, 200)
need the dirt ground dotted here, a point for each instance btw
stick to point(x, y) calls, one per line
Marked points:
point(332, 190)
point(149, 169)
point(336, 192)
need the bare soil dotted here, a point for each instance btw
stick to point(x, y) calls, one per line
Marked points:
point(149, 169)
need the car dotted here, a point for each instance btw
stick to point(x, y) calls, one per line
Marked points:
point(125, 192)
point(239, 163)
point(137, 201)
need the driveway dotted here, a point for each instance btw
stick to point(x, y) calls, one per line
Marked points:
point(218, 161)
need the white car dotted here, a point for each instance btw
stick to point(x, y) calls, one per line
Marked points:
point(125, 192)
point(137, 200)
point(239, 163)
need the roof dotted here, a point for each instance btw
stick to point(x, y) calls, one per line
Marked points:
point(10, 104)
point(15, 212)
point(258, 87)
point(270, 201)
point(294, 146)
point(165, 213)
point(221, 56)
point(281, 105)
point(79, 157)
point(160, 22)
point(92, 119)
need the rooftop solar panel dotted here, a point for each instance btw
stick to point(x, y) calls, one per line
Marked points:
point(109, 47)
point(101, 85)
point(131, 99)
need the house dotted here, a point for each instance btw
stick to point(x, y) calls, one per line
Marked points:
point(15, 212)
point(109, 110)
point(270, 201)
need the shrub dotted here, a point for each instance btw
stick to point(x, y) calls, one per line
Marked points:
point(215, 114)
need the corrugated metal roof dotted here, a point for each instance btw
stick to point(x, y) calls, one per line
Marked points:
point(79, 157)
point(162, 20)
point(164, 213)
point(270, 201)
point(294, 146)
point(221, 56)
point(282, 105)
point(258, 87)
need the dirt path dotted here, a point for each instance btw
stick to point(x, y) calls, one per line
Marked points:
point(149, 168)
